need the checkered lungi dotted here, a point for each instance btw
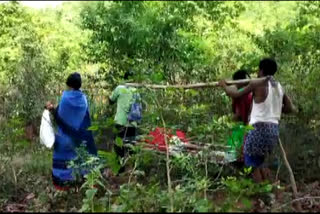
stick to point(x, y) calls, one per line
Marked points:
point(260, 142)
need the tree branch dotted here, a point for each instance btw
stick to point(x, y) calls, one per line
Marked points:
point(295, 200)
point(292, 179)
point(196, 85)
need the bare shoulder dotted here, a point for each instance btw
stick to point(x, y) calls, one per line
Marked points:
point(260, 93)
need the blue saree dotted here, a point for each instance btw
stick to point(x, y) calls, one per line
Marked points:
point(73, 120)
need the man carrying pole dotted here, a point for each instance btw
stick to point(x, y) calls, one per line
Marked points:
point(269, 100)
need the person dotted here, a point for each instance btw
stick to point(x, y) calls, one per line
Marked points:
point(269, 101)
point(241, 107)
point(123, 96)
point(73, 120)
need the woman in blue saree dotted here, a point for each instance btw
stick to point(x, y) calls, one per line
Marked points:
point(73, 120)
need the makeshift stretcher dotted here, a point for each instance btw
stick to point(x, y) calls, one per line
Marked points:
point(178, 143)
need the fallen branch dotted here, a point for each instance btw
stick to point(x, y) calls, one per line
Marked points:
point(292, 180)
point(196, 85)
point(295, 200)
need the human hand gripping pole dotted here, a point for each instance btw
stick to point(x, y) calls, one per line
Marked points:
point(49, 106)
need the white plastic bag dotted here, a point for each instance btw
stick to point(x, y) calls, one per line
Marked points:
point(47, 137)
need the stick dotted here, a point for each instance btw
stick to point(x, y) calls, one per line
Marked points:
point(196, 85)
point(292, 180)
point(297, 199)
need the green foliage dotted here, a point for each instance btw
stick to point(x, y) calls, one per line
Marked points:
point(164, 43)
point(12, 137)
point(94, 180)
point(83, 162)
point(241, 189)
point(142, 198)
point(35, 57)
point(23, 67)
point(162, 36)
point(112, 160)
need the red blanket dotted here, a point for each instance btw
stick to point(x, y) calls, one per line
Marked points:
point(157, 138)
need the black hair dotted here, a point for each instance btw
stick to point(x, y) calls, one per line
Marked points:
point(128, 75)
point(240, 74)
point(74, 81)
point(268, 66)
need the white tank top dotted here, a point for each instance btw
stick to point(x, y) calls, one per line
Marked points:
point(269, 110)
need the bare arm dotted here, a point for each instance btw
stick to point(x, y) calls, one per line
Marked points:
point(233, 92)
point(288, 107)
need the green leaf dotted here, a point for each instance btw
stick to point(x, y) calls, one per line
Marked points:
point(193, 92)
point(156, 77)
point(112, 160)
point(267, 188)
point(110, 122)
point(202, 206)
point(119, 142)
point(132, 147)
point(248, 170)
point(99, 208)
point(95, 116)
point(247, 203)
point(93, 128)
point(90, 193)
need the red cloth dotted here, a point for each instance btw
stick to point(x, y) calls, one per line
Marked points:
point(61, 188)
point(243, 104)
point(157, 138)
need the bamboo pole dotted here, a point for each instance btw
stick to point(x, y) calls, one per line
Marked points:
point(196, 85)
point(292, 179)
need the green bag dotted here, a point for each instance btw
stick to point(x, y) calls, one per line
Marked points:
point(236, 139)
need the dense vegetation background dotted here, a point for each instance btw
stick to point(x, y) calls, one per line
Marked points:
point(163, 42)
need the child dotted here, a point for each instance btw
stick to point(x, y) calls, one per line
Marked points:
point(269, 100)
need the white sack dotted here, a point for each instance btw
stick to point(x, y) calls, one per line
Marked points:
point(46, 130)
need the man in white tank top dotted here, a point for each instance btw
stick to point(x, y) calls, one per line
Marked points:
point(269, 101)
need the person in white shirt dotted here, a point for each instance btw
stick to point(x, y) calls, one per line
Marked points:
point(269, 101)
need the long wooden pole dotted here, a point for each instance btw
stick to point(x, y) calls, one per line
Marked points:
point(292, 179)
point(196, 85)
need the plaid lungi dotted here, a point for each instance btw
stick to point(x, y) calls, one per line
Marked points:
point(261, 140)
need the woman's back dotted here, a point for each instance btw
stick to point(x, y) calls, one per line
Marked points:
point(73, 107)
